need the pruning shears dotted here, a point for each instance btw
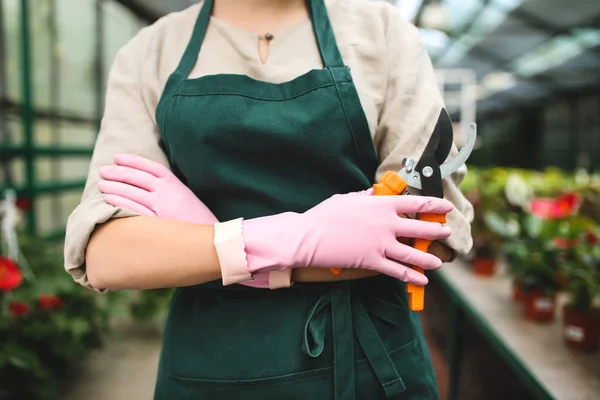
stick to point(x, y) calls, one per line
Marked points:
point(424, 177)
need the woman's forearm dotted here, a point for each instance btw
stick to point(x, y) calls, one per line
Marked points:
point(150, 253)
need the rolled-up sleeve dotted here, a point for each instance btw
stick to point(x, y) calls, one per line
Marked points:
point(128, 126)
point(410, 112)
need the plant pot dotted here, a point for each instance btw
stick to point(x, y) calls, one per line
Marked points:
point(539, 306)
point(517, 291)
point(484, 266)
point(581, 329)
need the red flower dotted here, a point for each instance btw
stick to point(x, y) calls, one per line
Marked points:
point(49, 302)
point(19, 308)
point(542, 208)
point(591, 238)
point(564, 244)
point(566, 205)
point(561, 207)
point(23, 204)
point(10, 274)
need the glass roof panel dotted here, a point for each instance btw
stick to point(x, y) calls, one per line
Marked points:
point(485, 22)
point(588, 38)
point(435, 41)
point(461, 12)
point(548, 55)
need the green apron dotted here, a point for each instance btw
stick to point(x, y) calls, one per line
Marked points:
point(249, 148)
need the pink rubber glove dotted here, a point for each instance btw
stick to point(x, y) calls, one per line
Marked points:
point(148, 188)
point(354, 230)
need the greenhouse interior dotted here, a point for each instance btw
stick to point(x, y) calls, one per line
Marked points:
point(517, 316)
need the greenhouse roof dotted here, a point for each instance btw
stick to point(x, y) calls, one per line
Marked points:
point(522, 51)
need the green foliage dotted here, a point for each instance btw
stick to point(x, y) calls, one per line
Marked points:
point(150, 304)
point(539, 251)
point(532, 257)
point(582, 266)
point(40, 348)
point(484, 188)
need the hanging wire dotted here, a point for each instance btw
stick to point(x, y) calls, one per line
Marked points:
point(9, 216)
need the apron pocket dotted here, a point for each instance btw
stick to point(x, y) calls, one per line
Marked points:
point(314, 384)
point(414, 367)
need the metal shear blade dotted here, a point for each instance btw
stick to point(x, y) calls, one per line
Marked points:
point(413, 176)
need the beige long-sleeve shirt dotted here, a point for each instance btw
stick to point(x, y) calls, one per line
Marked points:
point(391, 69)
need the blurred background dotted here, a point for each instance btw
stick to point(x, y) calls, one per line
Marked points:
point(516, 318)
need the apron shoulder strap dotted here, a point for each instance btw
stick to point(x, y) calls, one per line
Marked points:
point(190, 56)
point(330, 53)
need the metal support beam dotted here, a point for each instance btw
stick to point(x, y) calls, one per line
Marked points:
point(27, 111)
point(465, 29)
point(5, 136)
point(10, 106)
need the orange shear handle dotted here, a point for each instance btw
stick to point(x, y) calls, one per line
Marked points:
point(416, 294)
point(392, 184)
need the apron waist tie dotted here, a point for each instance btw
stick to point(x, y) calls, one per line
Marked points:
point(350, 316)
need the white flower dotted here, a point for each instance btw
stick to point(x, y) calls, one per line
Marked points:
point(595, 181)
point(517, 190)
point(582, 177)
point(513, 227)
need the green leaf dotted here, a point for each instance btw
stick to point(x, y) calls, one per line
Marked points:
point(506, 228)
point(533, 226)
point(79, 326)
point(22, 358)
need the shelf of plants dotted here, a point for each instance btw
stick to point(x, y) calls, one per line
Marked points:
point(536, 351)
point(532, 282)
point(48, 324)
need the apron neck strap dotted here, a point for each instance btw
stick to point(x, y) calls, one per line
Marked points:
point(188, 61)
point(330, 54)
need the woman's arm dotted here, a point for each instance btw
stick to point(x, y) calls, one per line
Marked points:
point(150, 253)
point(128, 125)
point(410, 111)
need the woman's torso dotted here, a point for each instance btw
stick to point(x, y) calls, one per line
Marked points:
point(293, 52)
point(271, 148)
point(358, 26)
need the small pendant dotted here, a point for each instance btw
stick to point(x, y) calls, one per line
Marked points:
point(269, 36)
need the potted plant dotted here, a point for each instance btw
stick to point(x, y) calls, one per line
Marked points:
point(48, 324)
point(581, 320)
point(533, 267)
point(487, 197)
point(549, 237)
point(506, 220)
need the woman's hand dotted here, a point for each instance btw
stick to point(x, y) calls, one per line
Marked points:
point(148, 188)
point(350, 231)
point(438, 249)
